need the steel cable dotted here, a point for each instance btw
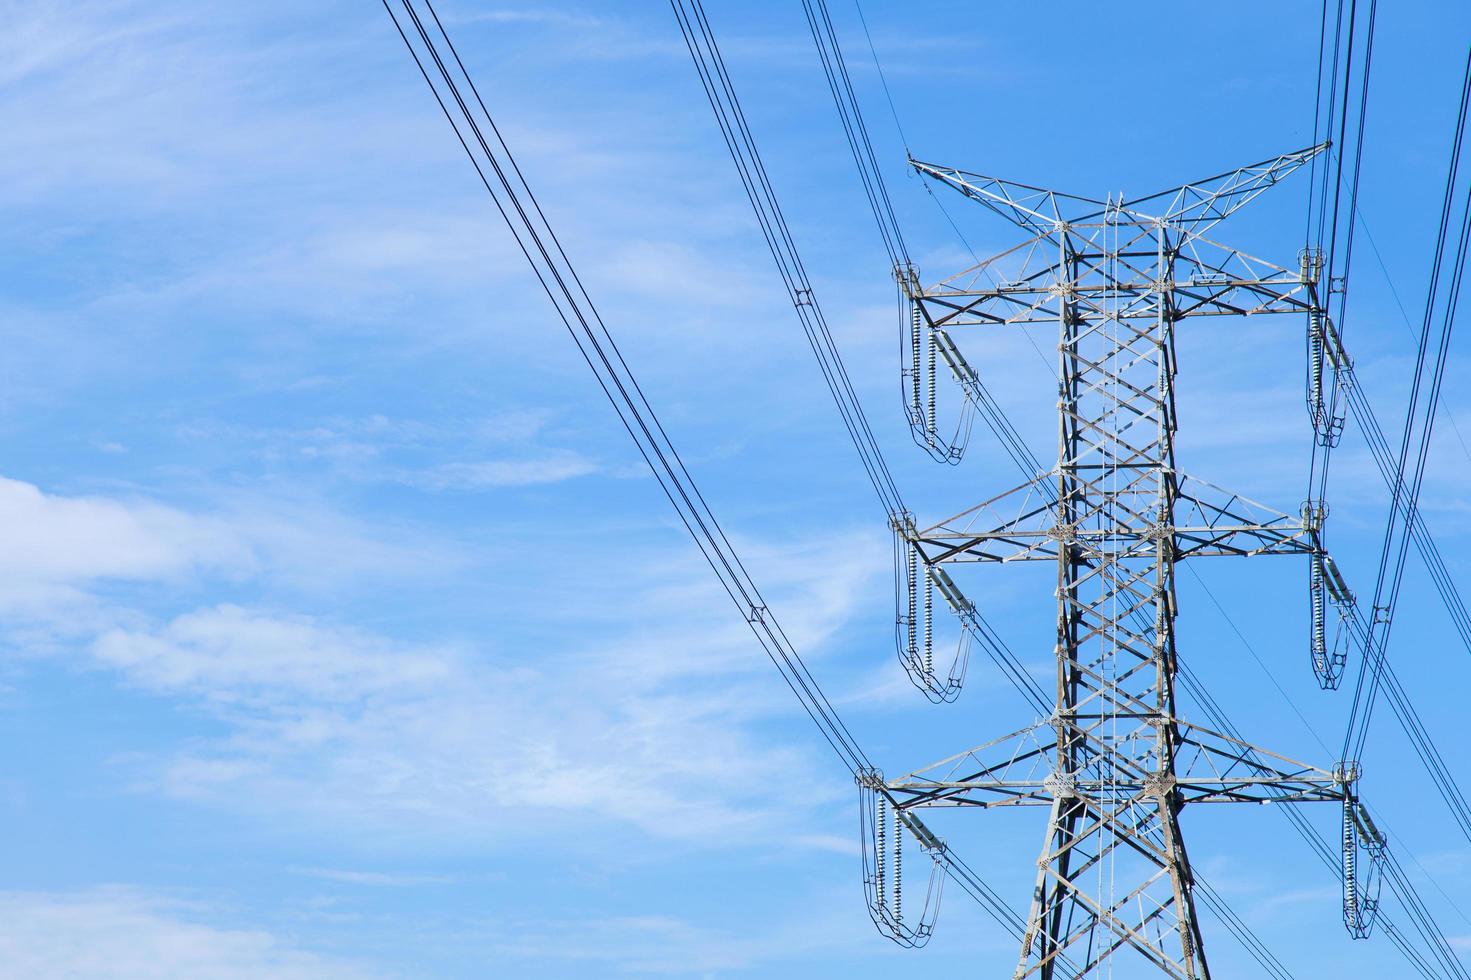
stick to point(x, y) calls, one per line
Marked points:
point(554, 272)
point(724, 102)
point(1418, 427)
point(539, 245)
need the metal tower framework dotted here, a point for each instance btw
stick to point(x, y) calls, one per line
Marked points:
point(1114, 762)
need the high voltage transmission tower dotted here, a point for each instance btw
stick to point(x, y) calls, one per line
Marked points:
point(1114, 763)
point(1111, 759)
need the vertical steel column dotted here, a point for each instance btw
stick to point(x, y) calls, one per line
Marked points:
point(1115, 682)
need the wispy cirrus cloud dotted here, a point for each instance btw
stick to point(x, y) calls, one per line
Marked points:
point(352, 727)
point(482, 474)
point(509, 449)
point(527, 15)
point(375, 879)
point(128, 934)
point(357, 731)
point(240, 656)
point(66, 551)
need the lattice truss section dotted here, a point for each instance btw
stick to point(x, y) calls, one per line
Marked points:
point(1114, 763)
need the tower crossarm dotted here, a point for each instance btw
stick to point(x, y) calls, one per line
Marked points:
point(1036, 209)
point(1202, 203)
point(1212, 279)
point(1198, 204)
point(1208, 768)
point(1209, 522)
point(1208, 279)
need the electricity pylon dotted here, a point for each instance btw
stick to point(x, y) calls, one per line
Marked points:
point(1114, 762)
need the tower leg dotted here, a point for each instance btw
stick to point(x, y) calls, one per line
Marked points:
point(1078, 921)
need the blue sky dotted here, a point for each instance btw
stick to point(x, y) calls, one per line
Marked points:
point(346, 636)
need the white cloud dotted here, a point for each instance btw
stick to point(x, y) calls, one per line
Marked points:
point(63, 552)
point(644, 944)
point(347, 728)
point(485, 474)
point(374, 878)
point(115, 934)
point(657, 269)
point(498, 450)
point(376, 438)
point(68, 539)
point(511, 15)
point(353, 729)
point(658, 682)
point(825, 923)
point(229, 652)
point(333, 267)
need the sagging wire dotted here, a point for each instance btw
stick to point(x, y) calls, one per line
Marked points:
point(498, 172)
point(915, 585)
point(740, 143)
point(1327, 400)
point(1332, 858)
point(1362, 410)
point(1379, 448)
point(1326, 279)
point(917, 352)
point(549, 262)
point(1418, 427)
point(885, 831)
point(1360, 627)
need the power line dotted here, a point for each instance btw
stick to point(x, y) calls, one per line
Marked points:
point(503, 180)
point(883, 78)
point(1231, 622)
point(523, 215)
point(1346, 75)
point(740, 144)
point(1405, 316)
point(742, 149)
point(1333, 102)
point(1419, 424)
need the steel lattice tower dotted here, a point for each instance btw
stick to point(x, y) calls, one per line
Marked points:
point(1114, 763)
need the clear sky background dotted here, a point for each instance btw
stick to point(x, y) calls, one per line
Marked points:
point(346, 636)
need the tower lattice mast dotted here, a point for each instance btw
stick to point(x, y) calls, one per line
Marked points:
point(1114, 763)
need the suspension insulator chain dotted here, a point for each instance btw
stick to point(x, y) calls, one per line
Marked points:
point(1350, 868)
point(915, 328)
point(932, 382)
point(929, 626)
point(898, 853)
point(1317, 410)
point(1317, 590)
point(1361, 880)
point(881, 850)
point(913, 586)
